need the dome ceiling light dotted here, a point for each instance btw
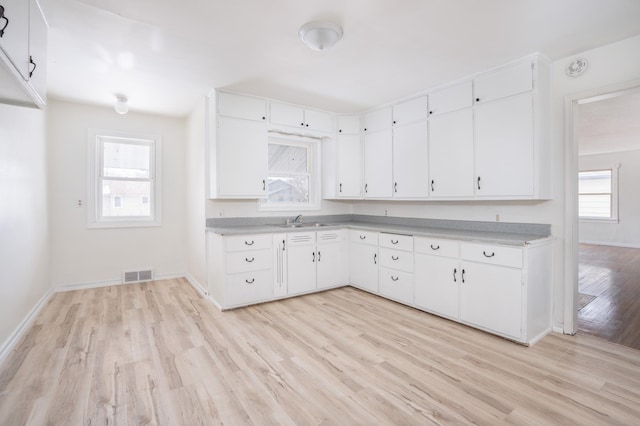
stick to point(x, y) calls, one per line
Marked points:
point(320, 35)
point(121, 106)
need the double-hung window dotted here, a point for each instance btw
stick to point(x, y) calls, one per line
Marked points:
point(124, 180)
point(597, 195)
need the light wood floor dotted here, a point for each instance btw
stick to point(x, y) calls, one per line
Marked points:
point(158, 353)
point(612, 274)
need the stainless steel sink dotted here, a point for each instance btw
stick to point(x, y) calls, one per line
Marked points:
point(302, 225)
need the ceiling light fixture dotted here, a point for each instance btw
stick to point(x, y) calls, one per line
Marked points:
point(320, 35)
point(121, 106)
point(576, 67)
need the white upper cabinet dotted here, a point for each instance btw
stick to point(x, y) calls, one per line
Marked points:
point(451, 99)
point(451, 154)
point(504, 148)
point(349, 165)
point(377, 120)
point(23, 54)
point(507, 81)
point(410, 150)
point(378, 171)
point(348, 124)
point(409, 111)
point(294, 116)
point(240, 106)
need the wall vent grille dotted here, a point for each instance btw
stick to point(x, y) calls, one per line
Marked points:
point(137, 276)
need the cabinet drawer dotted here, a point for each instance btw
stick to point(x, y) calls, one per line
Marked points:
point(396, 285)
point(495, 255)
point(248, 287)
point(363, 237)
point(396, 259)
point(244, 261)
point(248, 242)
point(436, 246)
point(330, 236)
point(396, 241)
point(301, 238)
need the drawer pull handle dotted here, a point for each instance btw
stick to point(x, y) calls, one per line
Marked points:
point(394, 241)
point(375, 258)
point(318, 255)
point(251, 281)
point(432, 182)
point(395, 257)
point(478, 182)
point(455, 271)
point(6, 21)
point(249, 243)
point(463, 275)
point(435, 248)
point(314, 256)
point(488, 255)
point(363, 237)
point(249, 260)
point(394, 278)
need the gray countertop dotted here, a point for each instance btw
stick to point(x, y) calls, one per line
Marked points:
point(481, 236)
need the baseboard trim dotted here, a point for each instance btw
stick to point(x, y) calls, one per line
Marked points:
point(606, 243)
point(14, 338)
point(108, 283)
point(195, 284)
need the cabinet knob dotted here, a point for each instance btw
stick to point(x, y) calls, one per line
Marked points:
point(306, 125)
point(430, 112)
point(302, 124)
point(6, 20)
point(477, 99)
point(264, 118)
point(340, 131)
point(394, 121)
point(365, 129)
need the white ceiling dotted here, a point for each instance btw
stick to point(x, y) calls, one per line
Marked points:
point(610, 125)
point(164, 55)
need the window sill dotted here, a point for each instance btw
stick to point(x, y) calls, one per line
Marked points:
point(599, 220)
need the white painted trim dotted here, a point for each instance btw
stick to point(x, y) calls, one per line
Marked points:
point(25, 324)
point(612, 244)
point(570, 302)
point(195, 284)
point(109, 283)
point(557, 329)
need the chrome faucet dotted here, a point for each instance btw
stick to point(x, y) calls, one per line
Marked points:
point(298, 219)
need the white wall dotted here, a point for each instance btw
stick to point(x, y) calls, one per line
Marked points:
point(195, 196)
point(627, 231)
point(24, 225)
point(81, 256)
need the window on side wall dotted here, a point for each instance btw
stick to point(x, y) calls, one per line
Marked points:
point(124, 180)
point(293, 181)
point(598, 195)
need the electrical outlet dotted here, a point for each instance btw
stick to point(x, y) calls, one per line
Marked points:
point(497, 217)
point(221, 213)
point(385, 212)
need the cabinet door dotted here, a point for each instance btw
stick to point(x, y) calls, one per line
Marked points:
point(437, 281)
point(504, 82)
point(287, 115)
point(451, 154)
point(242, 158)
point(410, 111)
point(377, 120)
point(330, 264)
point(301, 268)
point(410, 161)
point(491, 298)
point(504, 147)
point(15, 40)
point(239, 106)
point(348, 124)
point(320, 121)
point(378, 171)
point(38, 50)
point(363, 266)
point(451, 99)
point(349, 166)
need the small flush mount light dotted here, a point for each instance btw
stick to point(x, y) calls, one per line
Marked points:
point(320, 35)
point(576, 67)
point(121, 106)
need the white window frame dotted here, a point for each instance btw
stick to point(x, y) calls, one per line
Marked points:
point(95, 141)
point(314, 145)
point(614, 196)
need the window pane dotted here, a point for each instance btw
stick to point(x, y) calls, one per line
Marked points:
point(126, 160)
point(287, 158)
point(125, 198)
point(594, 205)
point(292, 189)
point(595, 182)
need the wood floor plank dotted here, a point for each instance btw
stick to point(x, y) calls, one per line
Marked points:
point(158, 353)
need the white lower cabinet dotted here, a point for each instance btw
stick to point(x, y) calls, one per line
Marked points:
point(437, 276)
point(396, 267)
point(316, 261)
point(363, 260)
